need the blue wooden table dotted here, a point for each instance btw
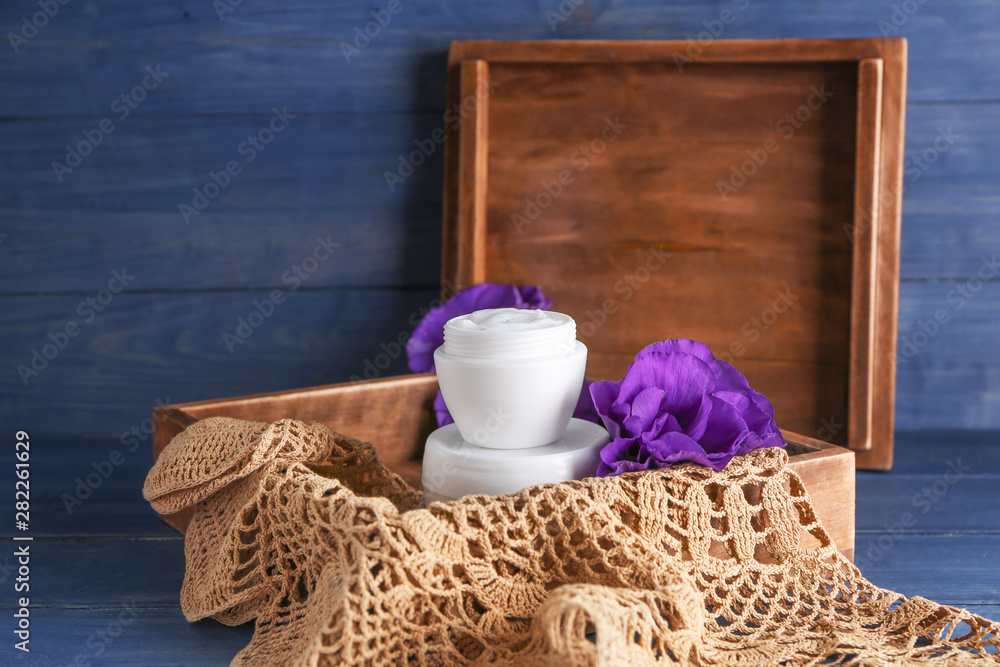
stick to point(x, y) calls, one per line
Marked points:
point(105, 578)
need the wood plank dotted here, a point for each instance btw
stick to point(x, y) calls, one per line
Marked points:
point(145, 347)
point(950, 569)
point(944, 380)
point(321, 177)
point(325, 177)
point(928, 451)
point(922, 458)
point(941, 483)
point(143, 636)
point(953, 501)
point(80, 487)
point(950, 201)
point(161, 636)
point(255, 56)
point(106, 572)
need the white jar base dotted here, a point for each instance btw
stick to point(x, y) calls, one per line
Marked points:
point(454, 468)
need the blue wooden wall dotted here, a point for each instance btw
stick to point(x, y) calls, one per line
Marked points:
point(223, 68)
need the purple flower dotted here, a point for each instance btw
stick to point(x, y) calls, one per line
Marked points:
point(429, 334)
point(441, 410)
point(585, 406)
point(677, 402)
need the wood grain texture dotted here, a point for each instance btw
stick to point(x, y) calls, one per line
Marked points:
point(864, 275)
point(86, 488)
point(912, 567)
point(91, 573)
point(150, 636)
point(269, 217)
point(169, 347)
point(257, 53)
point(947, 373)
point(325, 175)
point(617, 199)
point(321, 177)
point(396, 415)
point(148, 347)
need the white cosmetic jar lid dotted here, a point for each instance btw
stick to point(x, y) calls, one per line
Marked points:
point(453, 468)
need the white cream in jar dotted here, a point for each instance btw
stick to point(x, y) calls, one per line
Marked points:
point(511, 377)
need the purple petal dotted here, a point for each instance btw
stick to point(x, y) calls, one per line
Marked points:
point(755, 409)
point(729, 378)
point(671, 448)
point(754, 441)
point(682, 345)
point(725, 430)
point(531, 297)
point(441, 410)
point(678, 403)
point(604, 395)
point(684, 379)
point(619, 449)
point(645, 410)
point(585, 408)
point(665, 423)
point(621, 466)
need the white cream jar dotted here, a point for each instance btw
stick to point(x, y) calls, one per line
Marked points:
point(511, 377)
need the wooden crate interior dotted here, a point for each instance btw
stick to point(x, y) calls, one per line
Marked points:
point(734, 200)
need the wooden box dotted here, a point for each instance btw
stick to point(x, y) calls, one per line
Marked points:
point(593, 169)
point(396, 414)
point(741, 193)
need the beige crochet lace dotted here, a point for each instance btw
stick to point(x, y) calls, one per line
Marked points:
point(307, 532)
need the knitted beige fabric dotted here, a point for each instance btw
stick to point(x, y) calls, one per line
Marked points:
point(306, 531)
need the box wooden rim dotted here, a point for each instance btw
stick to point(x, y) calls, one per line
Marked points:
point(827, 471)
point(879, 169)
